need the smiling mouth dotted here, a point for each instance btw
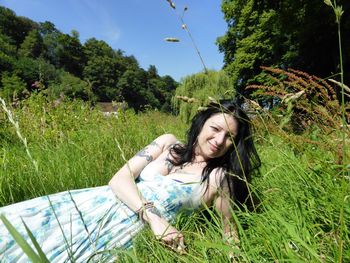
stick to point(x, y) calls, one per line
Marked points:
point(214, 148)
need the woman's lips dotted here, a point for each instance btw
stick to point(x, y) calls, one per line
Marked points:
point(213, 148)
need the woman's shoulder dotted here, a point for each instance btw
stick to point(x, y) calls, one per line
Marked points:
point(218, 172)
point(166, 140)
point(217, 176)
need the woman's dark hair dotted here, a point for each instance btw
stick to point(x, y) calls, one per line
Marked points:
point(238, 162)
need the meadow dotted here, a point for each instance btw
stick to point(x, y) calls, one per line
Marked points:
point(303, 213)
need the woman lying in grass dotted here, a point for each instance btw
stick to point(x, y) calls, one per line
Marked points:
point(213, 168)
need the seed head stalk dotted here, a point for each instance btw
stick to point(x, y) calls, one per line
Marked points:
point(185, 27)
point(344, 127)
point(338, 11)
point(16, 125)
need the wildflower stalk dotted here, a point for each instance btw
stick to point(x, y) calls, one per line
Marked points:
point(185, 27)
point(338, 11)
point(16, 125)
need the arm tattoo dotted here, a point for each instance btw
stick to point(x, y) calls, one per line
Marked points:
point(144, 153)
point(154, 143)
point(169, 165)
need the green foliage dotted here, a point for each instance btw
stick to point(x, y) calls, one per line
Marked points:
point(42, 56)
point(32, 46)
point(281, 34)
point(33, 70)
point(13, 26)
point(50, 39)
point(103, 73)
point(74, 139)
point(7, 54)
point(199, 87)
point(97, 48)
point(134, 90)
point(297, 219)
point(11, 87)
point(168, 93)
point(71, 86)
point(70, 54)
point(162, 88)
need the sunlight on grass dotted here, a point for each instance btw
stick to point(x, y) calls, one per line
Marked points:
point(299, 187)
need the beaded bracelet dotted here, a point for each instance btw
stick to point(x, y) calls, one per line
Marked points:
point(143, 208)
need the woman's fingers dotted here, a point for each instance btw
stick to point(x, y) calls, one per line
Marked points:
point(175, 241)
point(181, 246)
point(169, 235)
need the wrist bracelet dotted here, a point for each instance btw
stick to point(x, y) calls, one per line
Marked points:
point(140, 212)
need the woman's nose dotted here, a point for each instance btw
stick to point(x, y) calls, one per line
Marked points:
point(220, 138)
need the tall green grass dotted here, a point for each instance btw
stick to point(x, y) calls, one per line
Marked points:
point(299, 188)
point(297, 219)
point(74, 146)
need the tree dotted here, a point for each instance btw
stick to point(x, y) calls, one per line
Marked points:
point(70, 54)
point(35, 70)
point(7, 54)
point(32, 46)
point(43, 57)
point(162, 88)
point(14, 26)
point(103, 73)
point(12, 86)
point(152, 72)
point(50, 37)
point(104, 68)
point(130, 62)
point(194, 91)
point(97, 48)
point(133, 89)
point(281, 34)
point(70, 86)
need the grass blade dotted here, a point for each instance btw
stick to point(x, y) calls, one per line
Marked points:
point(41, 253)
point(27, 249)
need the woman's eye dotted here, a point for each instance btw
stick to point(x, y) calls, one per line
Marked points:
point(214, 128)
point(229, 136)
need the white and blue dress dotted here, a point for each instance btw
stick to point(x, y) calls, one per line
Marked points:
point(72, 226)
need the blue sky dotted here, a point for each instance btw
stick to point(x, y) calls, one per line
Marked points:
point(139, 27)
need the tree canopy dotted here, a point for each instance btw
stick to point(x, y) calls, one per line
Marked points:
point(36, 55)
point(285, 34)
point(195, 91)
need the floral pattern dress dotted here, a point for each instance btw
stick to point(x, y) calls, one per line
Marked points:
point(72, 226)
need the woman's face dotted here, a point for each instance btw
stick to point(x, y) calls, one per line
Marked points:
point(216, 136)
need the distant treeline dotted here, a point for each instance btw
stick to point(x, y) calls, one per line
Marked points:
point(38, 57)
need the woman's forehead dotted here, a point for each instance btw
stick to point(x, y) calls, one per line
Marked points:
point(224, 120)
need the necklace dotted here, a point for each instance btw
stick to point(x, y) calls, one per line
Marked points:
point(203, 161)
point(192, 163)
point(197, 162)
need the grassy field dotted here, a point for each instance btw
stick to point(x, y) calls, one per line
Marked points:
point(304, 209)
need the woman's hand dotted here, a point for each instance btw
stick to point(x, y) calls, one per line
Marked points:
point(231, 239)
point(165, 232)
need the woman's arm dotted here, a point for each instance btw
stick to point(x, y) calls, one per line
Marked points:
point(123, 182)
point(223, 205)
point(218, 195)
point(124, 187)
